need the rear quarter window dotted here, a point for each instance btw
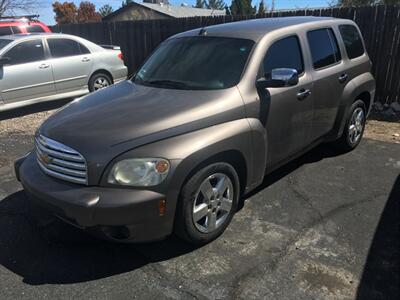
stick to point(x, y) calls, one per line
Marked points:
point(352, 41)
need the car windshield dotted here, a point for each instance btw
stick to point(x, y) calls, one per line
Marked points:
point(200, 63)
point(4, 42)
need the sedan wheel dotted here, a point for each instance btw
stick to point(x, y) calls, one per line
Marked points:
point(100, 83)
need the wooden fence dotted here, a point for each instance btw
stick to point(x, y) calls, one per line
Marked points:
point(380, 26)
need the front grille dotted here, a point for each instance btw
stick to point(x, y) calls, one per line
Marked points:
point(60, 161)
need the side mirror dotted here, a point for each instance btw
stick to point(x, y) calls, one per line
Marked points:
point(279, 78)
point(4, 61)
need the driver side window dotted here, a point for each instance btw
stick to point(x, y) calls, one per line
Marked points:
point(26, 52)
point(285, 53)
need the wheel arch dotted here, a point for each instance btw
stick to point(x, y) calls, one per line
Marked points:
point(101, 71)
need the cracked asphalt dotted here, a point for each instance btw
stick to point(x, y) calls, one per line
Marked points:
point(325, 226)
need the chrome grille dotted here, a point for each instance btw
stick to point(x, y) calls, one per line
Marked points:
point(60, 161)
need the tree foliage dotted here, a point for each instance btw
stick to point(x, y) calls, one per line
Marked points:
point(14, 6)
point(261, 8)
point(87, 13)
point(67, 12)
point(201, 4)
point(105, 10)
point(242, 7)
point(216, 4)
point(364, 2)
point(126, 2)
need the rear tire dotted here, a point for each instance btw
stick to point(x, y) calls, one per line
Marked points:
point(208, 201)
point(99, 81)
point(354, 127)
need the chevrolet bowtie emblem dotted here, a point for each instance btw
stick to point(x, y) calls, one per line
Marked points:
point(44, 158)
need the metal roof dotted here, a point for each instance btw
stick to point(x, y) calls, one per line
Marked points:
point(182, 11)
point(255, 29)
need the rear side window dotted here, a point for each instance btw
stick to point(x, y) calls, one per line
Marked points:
point(285, 53)
point(352, 41)
point(16, 29)
point(65, 47)
point(34, 28)
point(26, 52)
point(6, 30)
point(324, 47)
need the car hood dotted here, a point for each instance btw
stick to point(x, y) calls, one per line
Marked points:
point(109, 122)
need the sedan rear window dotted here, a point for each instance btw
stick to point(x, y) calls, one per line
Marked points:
point(196, 63)
point(65, 47)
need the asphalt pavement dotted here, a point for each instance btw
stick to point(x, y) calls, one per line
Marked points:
point(325, 226)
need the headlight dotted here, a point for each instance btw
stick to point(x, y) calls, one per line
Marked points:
point(139, 172)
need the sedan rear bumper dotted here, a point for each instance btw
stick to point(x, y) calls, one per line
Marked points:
point(119, 214)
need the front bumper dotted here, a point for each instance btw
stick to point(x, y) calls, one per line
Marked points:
point(121, 214)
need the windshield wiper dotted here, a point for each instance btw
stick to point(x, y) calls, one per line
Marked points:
point(171, 83)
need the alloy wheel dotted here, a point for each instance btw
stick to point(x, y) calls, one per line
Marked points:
point(356, 125)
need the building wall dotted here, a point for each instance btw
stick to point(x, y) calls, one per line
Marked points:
point(135, 13)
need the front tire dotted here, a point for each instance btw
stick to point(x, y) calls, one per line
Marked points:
point(99, 81)
point(354, 128)
point(208, 201)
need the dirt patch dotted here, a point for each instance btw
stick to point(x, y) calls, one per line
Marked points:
point(383, 131)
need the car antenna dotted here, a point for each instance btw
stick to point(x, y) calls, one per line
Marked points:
point(203, 30)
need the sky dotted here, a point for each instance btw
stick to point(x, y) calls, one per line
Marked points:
point(47, 15)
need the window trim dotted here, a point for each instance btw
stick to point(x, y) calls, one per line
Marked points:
point(66, 38)
point(277, 40)
point(361, 37)
point(23, 41)
point(337, 43)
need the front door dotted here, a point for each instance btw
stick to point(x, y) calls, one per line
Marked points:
point(288, 110)
point(72, 64)
point(28, 75)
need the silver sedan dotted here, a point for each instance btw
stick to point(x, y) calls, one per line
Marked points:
point(44, 67)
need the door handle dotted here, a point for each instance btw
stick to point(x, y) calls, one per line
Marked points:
point(85, 59)
point(44, 66)
point(303, 94)
point(342, 78)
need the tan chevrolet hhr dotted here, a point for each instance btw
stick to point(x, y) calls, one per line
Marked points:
point(199, 125)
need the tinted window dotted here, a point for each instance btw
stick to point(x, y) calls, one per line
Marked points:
point(324, 47)
point(5, 30)
point(285, 53)
point(65, 47)
point(352, 41)
point(16, 29)
point(34, 28)
point(198, 62)
point(25, 52)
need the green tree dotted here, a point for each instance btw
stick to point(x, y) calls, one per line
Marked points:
point(105, 10)
point(201, 4)
point(216, 4)
point(242, 8)
point(261, 8)
point(126, 2)
point(357, 2)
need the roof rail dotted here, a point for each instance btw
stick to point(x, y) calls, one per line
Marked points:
point(28, 17)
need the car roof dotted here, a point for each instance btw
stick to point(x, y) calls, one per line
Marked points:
point(21, 36)
point(255, 29)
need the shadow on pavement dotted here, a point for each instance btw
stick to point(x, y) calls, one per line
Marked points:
point(34, 108)
point(41, 249)
point(381, 275)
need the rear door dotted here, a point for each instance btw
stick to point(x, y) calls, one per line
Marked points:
point(72, 64)
point(329, 79)
point(29, 74)
point(289, 115)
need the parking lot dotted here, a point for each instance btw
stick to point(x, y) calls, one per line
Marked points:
point(326, 226)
